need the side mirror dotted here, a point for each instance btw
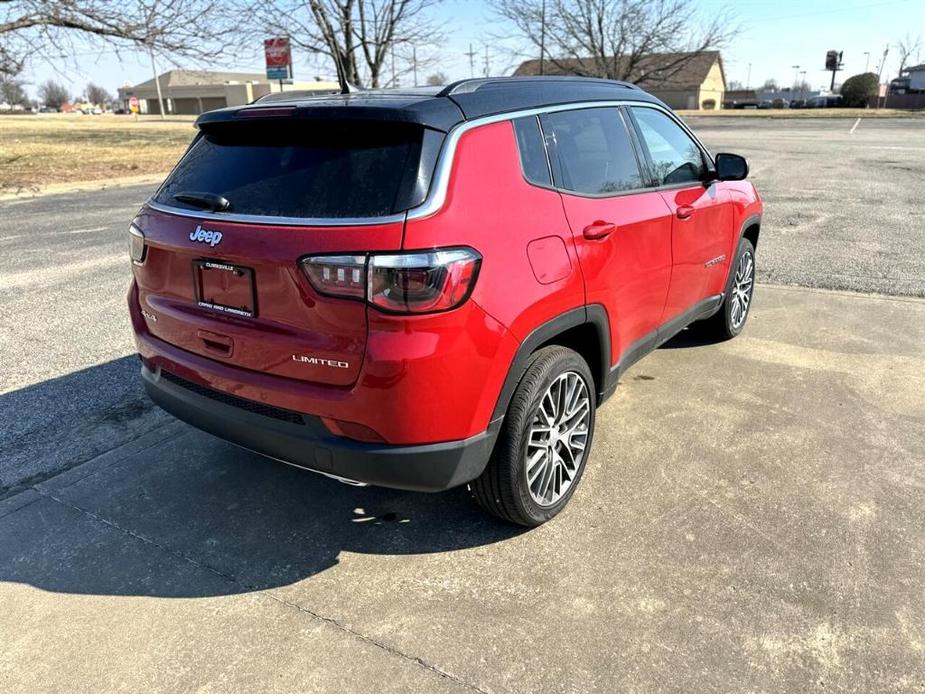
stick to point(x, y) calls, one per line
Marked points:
point(731, 167)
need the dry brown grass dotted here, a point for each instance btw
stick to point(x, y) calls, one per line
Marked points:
point(52, 149)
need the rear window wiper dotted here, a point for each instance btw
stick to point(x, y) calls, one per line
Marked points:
point(206, 201)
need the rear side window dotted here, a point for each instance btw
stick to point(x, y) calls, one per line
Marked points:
point(532, 151)
point(303, 169)
point(592, 151)
point(676, 158)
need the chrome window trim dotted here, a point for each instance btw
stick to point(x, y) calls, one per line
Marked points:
point(436, 197)
point(439, 187)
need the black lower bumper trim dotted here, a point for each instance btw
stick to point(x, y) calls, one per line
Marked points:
point(429, 468)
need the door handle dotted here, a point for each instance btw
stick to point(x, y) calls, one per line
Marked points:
point(598, 230)
point(684, 211)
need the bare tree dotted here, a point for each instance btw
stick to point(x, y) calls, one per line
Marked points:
point(909, 49)
point(191, 29)
point(12, 91)
point(98, 96)
point(437, 79)
point(643, 41)
point(366, 39)
point(53, 94)
point(770, 85)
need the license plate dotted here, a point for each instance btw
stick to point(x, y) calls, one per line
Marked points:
point(225, 288)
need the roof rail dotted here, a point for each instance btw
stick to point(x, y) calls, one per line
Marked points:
point(467, 86)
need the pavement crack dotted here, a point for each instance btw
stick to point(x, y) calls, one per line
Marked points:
point(246, 587)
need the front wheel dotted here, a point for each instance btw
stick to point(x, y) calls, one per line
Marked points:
point(729, 321)
point(544, 442)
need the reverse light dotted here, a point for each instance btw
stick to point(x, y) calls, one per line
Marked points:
point(337, 275)
point(136, 245)
point(423, 282)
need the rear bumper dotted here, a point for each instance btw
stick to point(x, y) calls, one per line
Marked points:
point(302, 440)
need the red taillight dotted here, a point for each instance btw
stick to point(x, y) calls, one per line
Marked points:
point(351, 430)
point(422, 282)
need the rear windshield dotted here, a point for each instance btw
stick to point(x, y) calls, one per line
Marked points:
point(306, 169)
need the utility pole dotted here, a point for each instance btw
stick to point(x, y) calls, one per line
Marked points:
point(543, 38)
point(414, 63)
point(157, 84)
point(487, 62)
point(886, 52)
point(471, 55)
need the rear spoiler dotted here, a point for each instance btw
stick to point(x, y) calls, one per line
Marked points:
point(437, 114)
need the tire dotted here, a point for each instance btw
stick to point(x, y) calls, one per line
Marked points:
point(503, 488)
point(730, 320)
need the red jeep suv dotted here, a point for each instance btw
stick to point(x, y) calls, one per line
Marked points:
point(427, 288)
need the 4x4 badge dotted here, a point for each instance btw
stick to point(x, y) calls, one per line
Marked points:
point(213, 238)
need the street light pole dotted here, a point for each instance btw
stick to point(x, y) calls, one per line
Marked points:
point(796, 69)
point(802, 83)
point(748, 80)
point(866, 61)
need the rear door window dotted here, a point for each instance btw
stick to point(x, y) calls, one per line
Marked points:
point(532, 151)
point(304, 169)
point(591, 151)
point(675, 157)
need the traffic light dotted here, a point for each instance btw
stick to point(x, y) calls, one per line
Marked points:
point(831, 60)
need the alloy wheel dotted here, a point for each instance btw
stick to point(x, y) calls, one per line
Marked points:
point(558, 438)
point(742, 290)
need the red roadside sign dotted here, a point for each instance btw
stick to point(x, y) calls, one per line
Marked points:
point(278, 57)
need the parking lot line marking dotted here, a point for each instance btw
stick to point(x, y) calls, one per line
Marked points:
point(88, 231)
point(855, 126)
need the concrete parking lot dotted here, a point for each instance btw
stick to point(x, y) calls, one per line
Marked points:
point(752, 518)
point(843, 198)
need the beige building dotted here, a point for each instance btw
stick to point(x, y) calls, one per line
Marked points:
point(682, 80)
point(192, 92)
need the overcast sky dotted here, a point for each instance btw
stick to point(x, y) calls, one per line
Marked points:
point(775, 35)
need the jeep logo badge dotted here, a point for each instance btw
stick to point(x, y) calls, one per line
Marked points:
point(200, 235)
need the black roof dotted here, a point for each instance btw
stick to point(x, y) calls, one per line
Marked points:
point(435, 107)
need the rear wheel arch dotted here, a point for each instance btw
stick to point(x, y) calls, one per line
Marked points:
point(585, 330)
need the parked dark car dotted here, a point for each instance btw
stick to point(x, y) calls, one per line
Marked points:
point(830, 101)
